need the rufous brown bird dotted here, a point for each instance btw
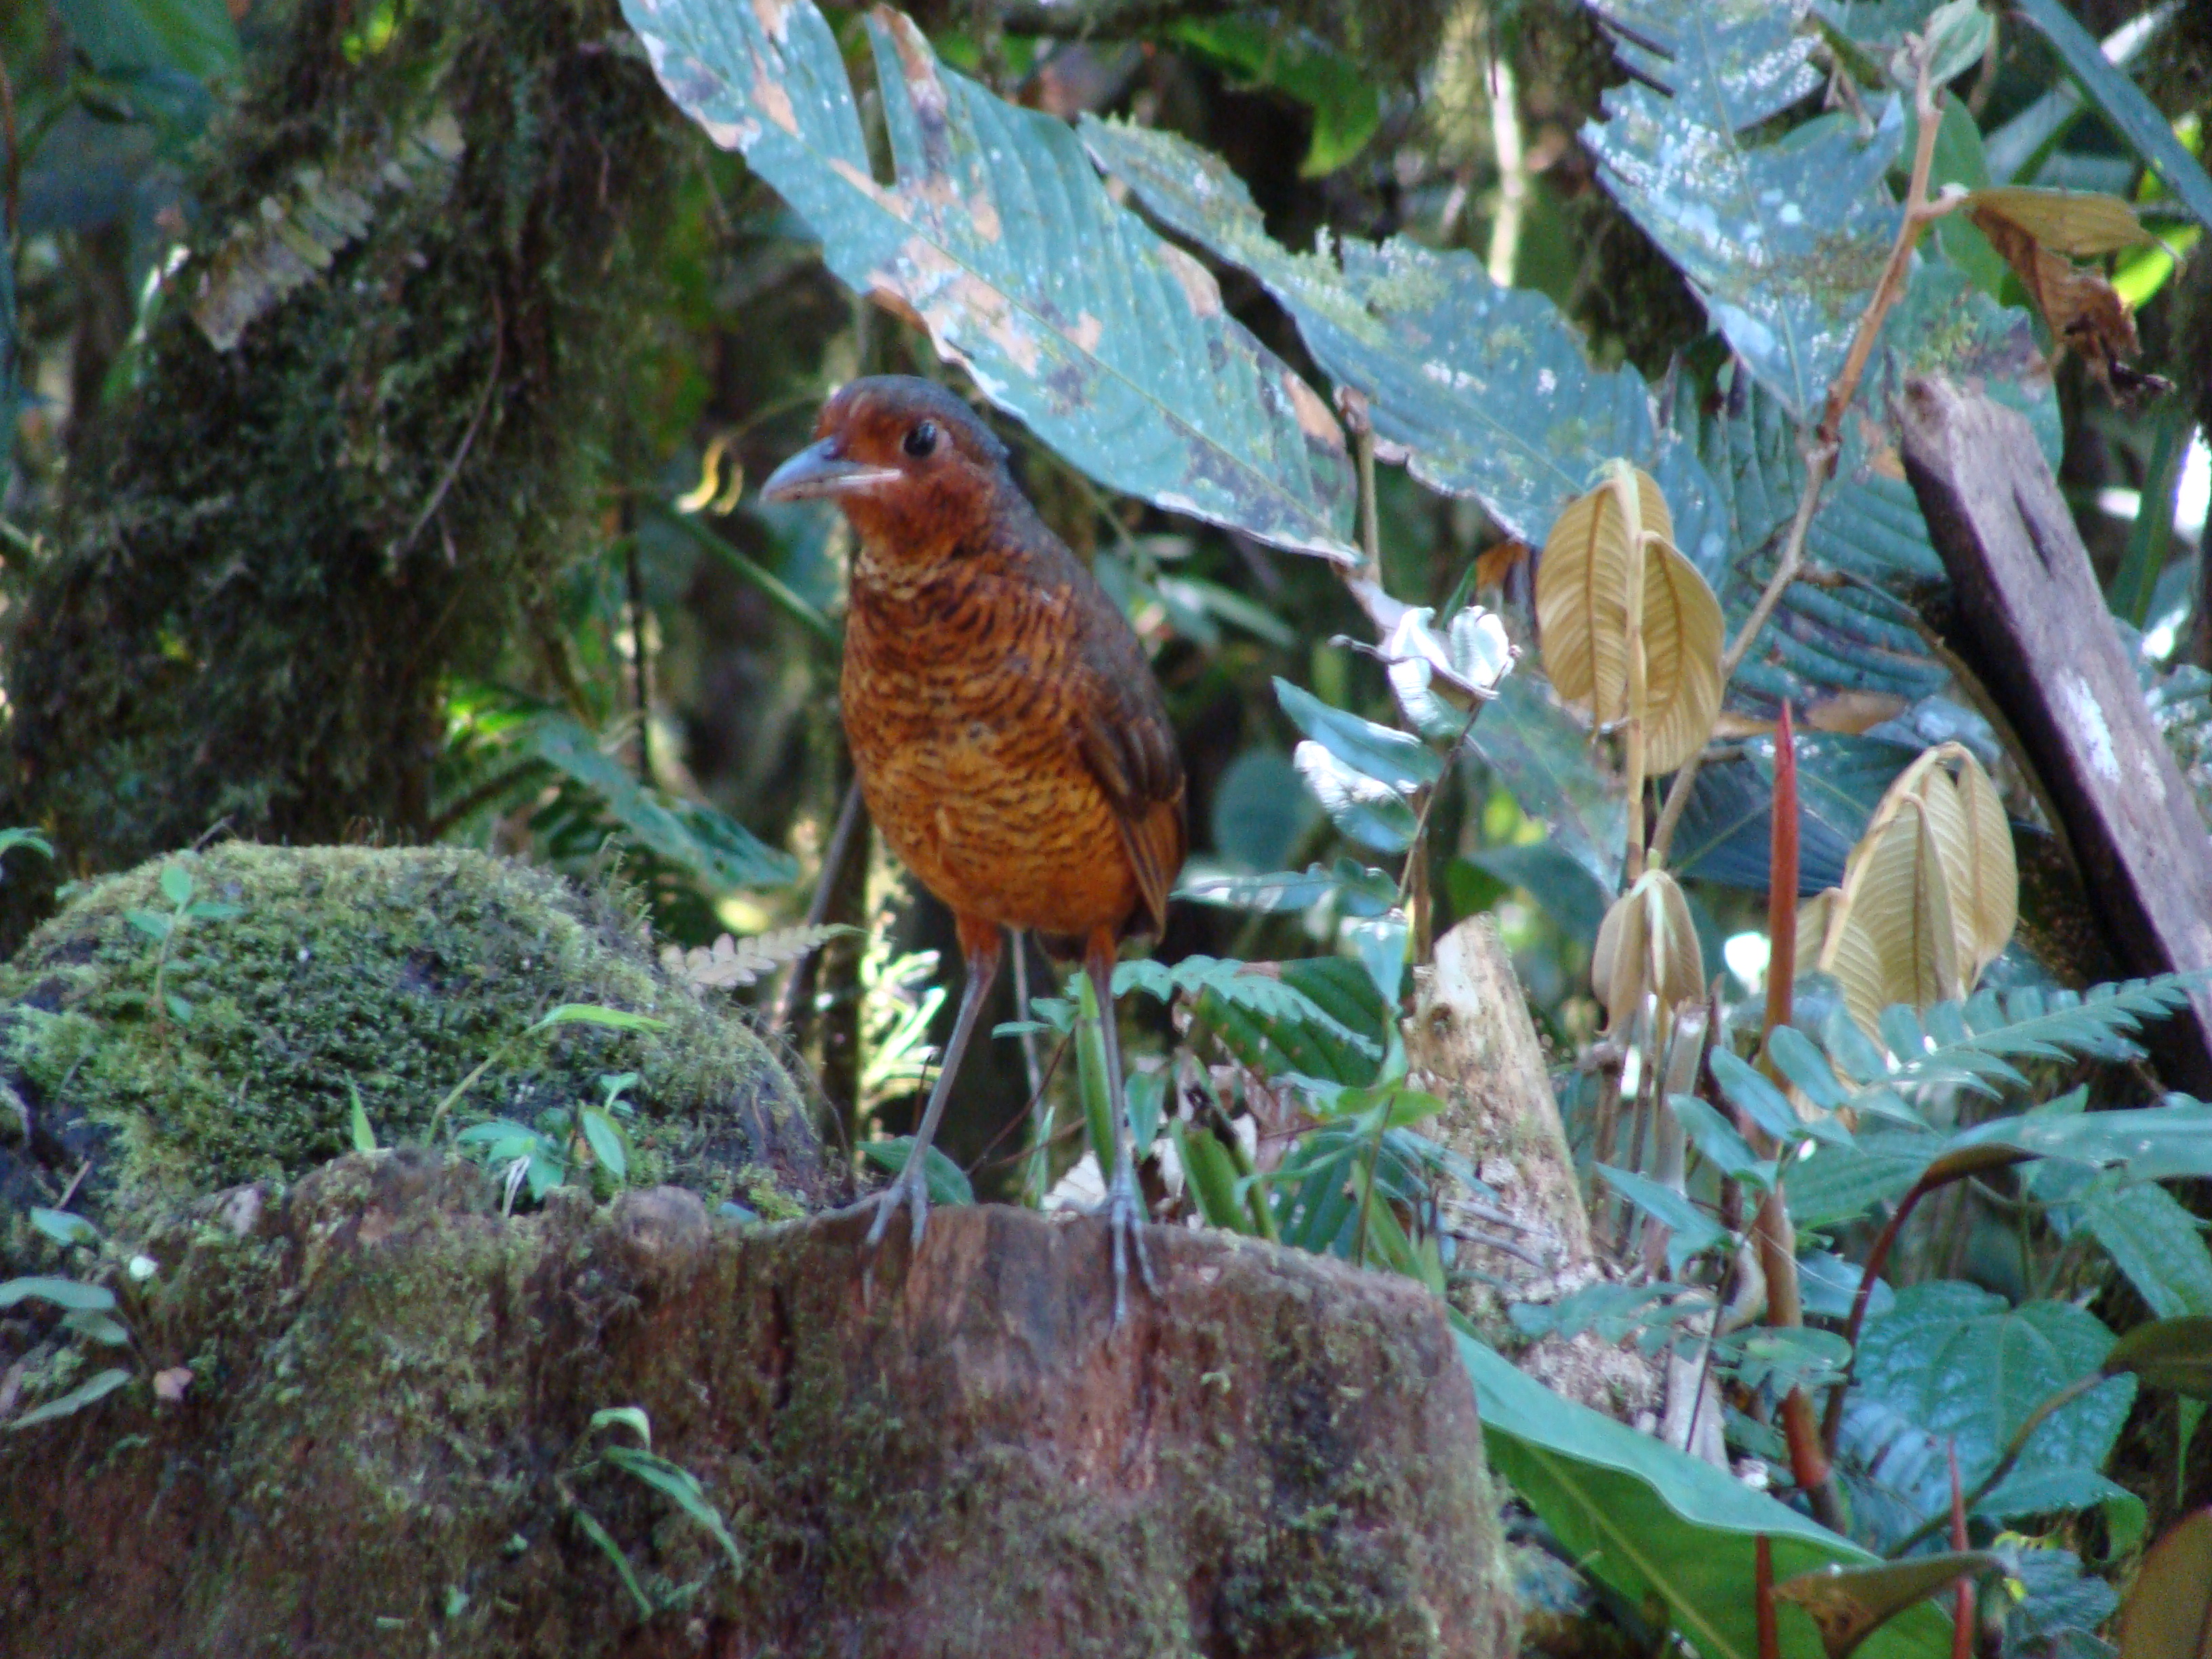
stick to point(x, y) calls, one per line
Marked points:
point(1010, 741)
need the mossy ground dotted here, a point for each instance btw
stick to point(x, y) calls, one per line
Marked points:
point(383, 974)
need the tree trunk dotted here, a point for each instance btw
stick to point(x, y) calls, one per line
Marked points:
point(326, 491)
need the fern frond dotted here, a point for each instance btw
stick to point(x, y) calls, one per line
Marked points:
point(1974, 1044)
point(1241, 984)
point(729, 963)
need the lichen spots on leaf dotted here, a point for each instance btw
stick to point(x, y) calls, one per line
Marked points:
point(774, 17)
point(1086, 333)
point(1314, 419)
point(774, 102)
point(1198, 284)
point(858, 178)
point(917, 65)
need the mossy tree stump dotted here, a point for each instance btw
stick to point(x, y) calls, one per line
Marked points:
point(386, 1444)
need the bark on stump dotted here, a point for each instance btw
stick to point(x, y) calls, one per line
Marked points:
point(385, 1444)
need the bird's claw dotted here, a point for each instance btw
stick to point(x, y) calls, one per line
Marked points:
point(1124, 1211)
point(904, 1190)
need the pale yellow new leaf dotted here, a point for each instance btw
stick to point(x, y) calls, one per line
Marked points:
point(1583, 588)
point(1974, 841)
point(1647, 944)
point(1891, 936)
point(1682, 645)
point(2081, 223)
point(1588, 586)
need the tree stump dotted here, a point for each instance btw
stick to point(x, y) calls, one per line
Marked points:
point(386, 1442)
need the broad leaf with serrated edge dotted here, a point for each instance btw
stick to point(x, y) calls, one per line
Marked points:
point(2154, 1240)
point(1956, 1359)
point(1784, 241)
point(999, 239)
point(1482, 391)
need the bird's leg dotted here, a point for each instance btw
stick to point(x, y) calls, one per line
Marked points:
point(980, 945)
point(1124, 1207)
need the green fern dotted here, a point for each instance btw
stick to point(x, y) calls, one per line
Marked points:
point(1270, 998)
point(1973, 1044)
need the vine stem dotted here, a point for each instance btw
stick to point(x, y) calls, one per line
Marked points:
point(1821, 448)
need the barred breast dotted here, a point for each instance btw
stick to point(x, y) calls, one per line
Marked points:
point(958, 688)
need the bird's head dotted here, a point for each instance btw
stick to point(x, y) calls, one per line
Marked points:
point(911, 464)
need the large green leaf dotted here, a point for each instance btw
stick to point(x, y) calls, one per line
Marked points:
point(1783, 239)
point(1650, 1521)
point(1482, 391)
point(1545, 761)
point(2135, 116)
point(997, 237)
point(1955, 1359)
point(1727, 830)
point(2154, 1241)
point(1275, 1045)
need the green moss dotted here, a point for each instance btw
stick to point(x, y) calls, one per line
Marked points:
point(392, 973)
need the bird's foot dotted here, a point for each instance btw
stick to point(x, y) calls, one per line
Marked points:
point(1124, 1210)
point(907, 1188)
point(913, 1195)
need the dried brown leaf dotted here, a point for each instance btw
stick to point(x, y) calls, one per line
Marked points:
point(2080, 307)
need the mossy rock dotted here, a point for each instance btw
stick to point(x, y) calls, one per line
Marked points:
point(234, 1052)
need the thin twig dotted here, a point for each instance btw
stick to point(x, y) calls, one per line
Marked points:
point(833, 861)
point(1821, 448)
point(76, 1181)
point(469, 437)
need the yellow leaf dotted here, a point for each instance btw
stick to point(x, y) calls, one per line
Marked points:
point(1974, 841)
point(2082, 223)
point(1647, 943)
point(1589, 585)
point(1891, 937)
point(1930, 894)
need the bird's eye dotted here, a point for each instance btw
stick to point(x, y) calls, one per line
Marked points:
point(921, 438)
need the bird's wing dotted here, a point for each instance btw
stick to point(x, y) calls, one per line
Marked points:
point(1126, 740)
